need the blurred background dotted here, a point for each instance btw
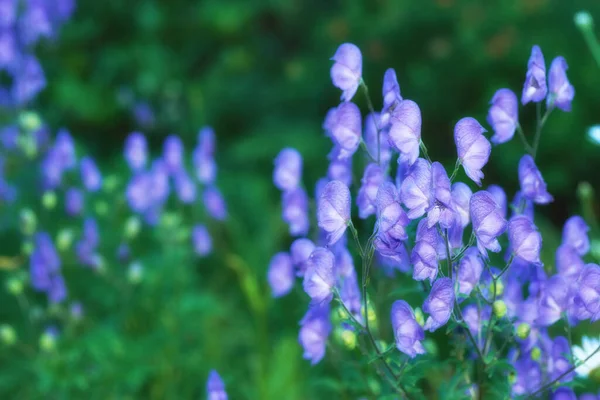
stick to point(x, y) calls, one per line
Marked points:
point(258, 73)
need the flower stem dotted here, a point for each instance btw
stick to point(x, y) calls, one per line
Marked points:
point(540, 124)
point(372, 110)
point(524, 139)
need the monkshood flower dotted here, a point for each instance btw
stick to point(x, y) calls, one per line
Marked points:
point(521, 205)
point(416, 188)
point(373, 178)
point(472, 147)
point(340, 169)
point(203, 157)
point(500, 196)
point(561, 92)
point(568, 262)
point(405, 130)
point(215, 388)
point(461, 195)
point(503, 115)
point(558, 352)
point(173, 153)
point(535, 88)
point(441, 207)
point(391, 218)
point(288, 169)
point(553, 301)
point(425, 261)
point(370, 137)
point(390, 90)
point(348, 284)
point(201, 240)
point(64, 146)
point(295, 211)
point(398, 261)
point(90, 175)
point(159, 178)
point(185, 188)
point(44, 262)
point(281, 274)
point(319, 279)
point(58, 290)
point(487, 220)
point(439, 304)
point(315, 328)
point(28, 80)
point(587, 348)
point(139, 192)
point(300, 251)
point(214, 203)
point(345, 128)
point(525, 240)
point(333, 213)
point(86, 247)
point(564, 393)
point(35, 22)
point(74, 201)
point(346, 72)
point(474, 317)
point(469, 271)
point(575, 235)
point(52, 170)
point(407, 331)
point(533, 185)
point(528, 375)
point(136, 151)
point(586, 303)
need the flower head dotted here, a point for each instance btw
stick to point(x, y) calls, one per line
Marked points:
point(416, 188)
point(333, 212)
point(525, 240)
point(201, 240)
point(439, 304)
point(503, 115)
point(288, 169)
point(405, 130)
point(472, 147)
point(373, 178)
point(390, 89)
point(173, 153)
point(488, 222)
point(407, 331)
point(136, 151)
point(90, 175)
point(561, 90)
point(371, 140)
point(281, 274)
point(295, 211)
point(215, 388)
point(469, 271)
point(315, 328)
point(441, 207)
point(533, 185)
point(346, 72)
point(319, 278)
point(74, 201)
point(345, 127)
point(535, 88)
point(391, 217)
point(214, 203)
point(575, 235)
point(586, 303)
point(300, 251)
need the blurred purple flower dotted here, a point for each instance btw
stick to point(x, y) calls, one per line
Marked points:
point(136, 151)
point(173, 153)
point(503, 115)
point(561, 92)
point(281, 274)
point(215, 388)
point(333, 212)
point(319, 279)
point(295, 211)
point(300, 250)
point(74, 201)
point(201, 240)
point(575, 235)
point(315, 328)
point(439, 304)
point(90, 175)
point(373, 177)
point(288, 169)
point(535, 88)
point(469, 271)
point(533, 185)
point(407, 331)
point(346, 72)
point(214, 203)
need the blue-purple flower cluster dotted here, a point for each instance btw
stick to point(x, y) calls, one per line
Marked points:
point(459, 229)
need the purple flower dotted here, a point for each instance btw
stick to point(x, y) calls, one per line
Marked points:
point(340, 169)
point(201, 240)
point(185, 187)
point(528, 375)
point(391, 217)
point(439, 304)
point(461, 195)
point(136, 151)
point(281, 274)
point(295, 211)
point(561, 90)
point(8, 13)
point(345, 128)
point(586, 303)
point(568, 262)
point(214, 203)
point(472, 147)
point(469, 271)
point(390, 89)
point(370, 135)
point(90, 175)
point(575, 235)
point(533, 185)
point(173, 153)
point(564, 393)
point(535, 88)
point(425, 261)
point(74, 202)
point(301, 250)
point(474, 317)
point(522, 205)
point(416, 188)
point(44, 262)
point(288, 169)
point(319, 278)
point(65, 149)
point(441, 207)
point(203, 157)
point(500, 197)
point(405, 130)
point(139, 192)
point(86, 246)
point(488, 222)
point(57, 291)
point(553, 301)
point(503, 115)
point(215, 388)
point(407, 331)
point(346, 72)
point(348, 283)
point(28, 81)
point(373, 178)
point(52, 170)
point(333, 212)
point(314, 331)
point(524, 238)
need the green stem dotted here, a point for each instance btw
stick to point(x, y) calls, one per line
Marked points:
point(524, 139)
point(456, 168)
point(424, 150)
point(592, 43)
point(372, 110)
point(540, 124)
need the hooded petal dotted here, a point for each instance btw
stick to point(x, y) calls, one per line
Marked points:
point(405, 130)
point(533, 185)
point(390, 216)
point(301, 250)
point(441, 207)
point(503, 115)
point(561, 90)
point(524, 238)
point(469, 271)
point(575, 235)
point(374, 176)
point(333, 212)
point(314, 331)
point(535, 87)
point(319, 278)
point(346, 72)
point(345, 128)
point(391, 89)
point(487, 220)
point(472, 147)
point(416, 188)
point(439, 304)
point(281, 274)
point(407, 331)
point(295, 211)
point(288, 169)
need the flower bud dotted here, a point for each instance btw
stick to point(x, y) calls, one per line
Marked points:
point(30, 121)
point(49, 200)
point(48, 341)
point(499, 308)
point(523, 330)
point(499, 288)
point(135, 273)
point(583, 20)
point(419, 317)
point(132, 227)
point(101, 208)
point(27, 247)
point(536, 353)
point(8, 336)
point(27, 145)
point(370, 313)
point(111, 182)
point(348, 338)
point(585, 191)
point(28, 221)
point(64, 239)
point(14, 286)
